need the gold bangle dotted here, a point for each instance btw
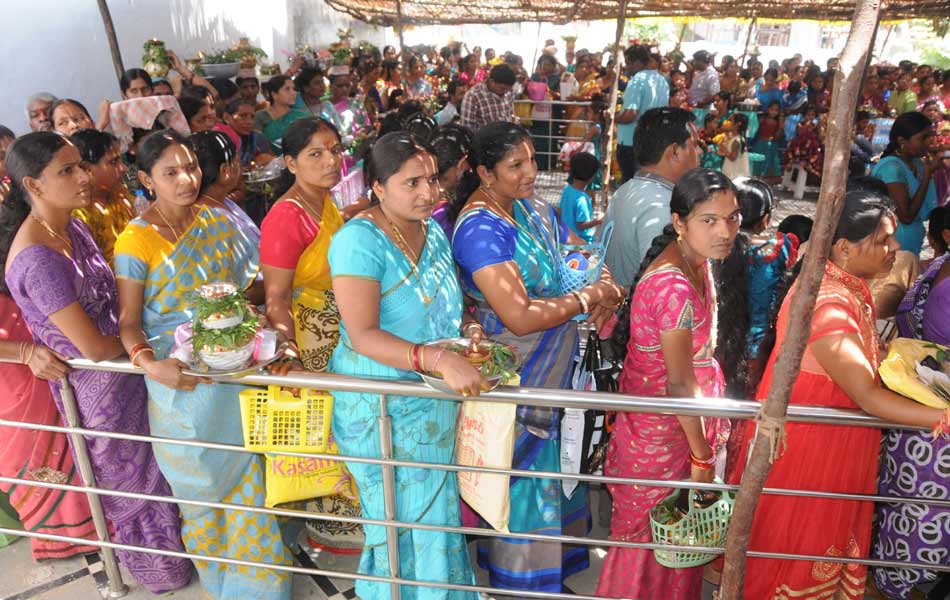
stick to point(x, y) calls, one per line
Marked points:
point(138, 353)
point(422, 359)
point(412, 366)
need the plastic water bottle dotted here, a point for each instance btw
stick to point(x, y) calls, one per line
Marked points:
point(141, 202)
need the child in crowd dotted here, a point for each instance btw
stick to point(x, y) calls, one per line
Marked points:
point(708, 138)
point(800, 226)
point(595, 129)
point(805, 150)
point(679, 98)
point(735, 148)
point(768, 141)
point(793, 103)
point(577, 208)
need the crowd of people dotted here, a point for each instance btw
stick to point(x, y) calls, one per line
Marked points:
point(108, 226)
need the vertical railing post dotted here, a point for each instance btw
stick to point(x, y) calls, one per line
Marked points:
point(551, 163)
point(389, 493)
point(117, 588)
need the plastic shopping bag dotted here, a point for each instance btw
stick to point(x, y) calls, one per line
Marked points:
point(585, 433)
point(485, 437)
point(290, 478)
point(902, 372)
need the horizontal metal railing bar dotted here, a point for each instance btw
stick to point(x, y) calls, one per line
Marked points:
point(393, 525)
point(557, 120)
point(681, 484)
point(696, 407)
point(558, 102)
point(312, 516)
point(870, 562)
point(299, 570)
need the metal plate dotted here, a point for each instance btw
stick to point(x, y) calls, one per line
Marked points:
point(438, 383)
point(199, 369)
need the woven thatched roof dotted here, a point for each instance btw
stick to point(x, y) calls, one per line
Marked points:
point(429, 12)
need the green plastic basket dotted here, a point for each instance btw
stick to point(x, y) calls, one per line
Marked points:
point(700, 527)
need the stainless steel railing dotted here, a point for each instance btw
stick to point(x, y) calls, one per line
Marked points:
point(550, 131)
point(718, 407)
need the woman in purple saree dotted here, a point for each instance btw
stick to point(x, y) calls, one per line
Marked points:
point(914, 463)
point(67, 293)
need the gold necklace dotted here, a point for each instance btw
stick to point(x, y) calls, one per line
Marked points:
point(411, 257)
point(489, 195)
point(692, 273)
point(298, 197)
point(169, 225)
point(401, 240)
point(52, 232)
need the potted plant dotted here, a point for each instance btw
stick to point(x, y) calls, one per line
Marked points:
point(224, 327)
point(155, 58)
point(227, 63)
point(346, 36)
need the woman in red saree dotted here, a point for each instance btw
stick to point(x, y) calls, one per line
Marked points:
point(839, 370)
point(38, 455)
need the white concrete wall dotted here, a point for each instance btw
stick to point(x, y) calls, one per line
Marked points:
point(60, 46)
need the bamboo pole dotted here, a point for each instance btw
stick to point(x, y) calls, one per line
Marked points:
point(113, 41)
point(887, 36)
point(537, 43)
point(788, 363)
point(748, 38)
point(402, 48)
point(612, 107)
point(867, 64)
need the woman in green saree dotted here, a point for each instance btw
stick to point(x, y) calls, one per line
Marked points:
point(274, 120)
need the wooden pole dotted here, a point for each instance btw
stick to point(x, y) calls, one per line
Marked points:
point(887, 36)
point(867, 64)
point(537, 42)
point(748, 38)
point(788, 363)
point(402, 48)
point(113, 41)
point(612, 108)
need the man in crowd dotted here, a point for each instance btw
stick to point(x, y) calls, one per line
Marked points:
point(705, 84)
point(491, 100)
point(456, 91)
point(647, 89)
point(666, 145)
point(38, 111)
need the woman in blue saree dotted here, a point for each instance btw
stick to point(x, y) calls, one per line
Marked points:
point(160, 259)
point(396, 289)
point(506, 246)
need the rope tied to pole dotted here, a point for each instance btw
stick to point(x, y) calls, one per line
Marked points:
point(774, 429)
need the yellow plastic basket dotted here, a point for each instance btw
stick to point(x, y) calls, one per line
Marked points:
point(275, 420)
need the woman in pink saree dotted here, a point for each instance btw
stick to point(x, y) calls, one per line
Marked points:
point(670, 336)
